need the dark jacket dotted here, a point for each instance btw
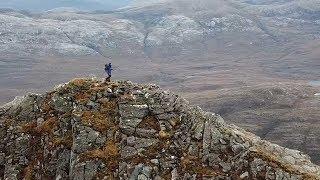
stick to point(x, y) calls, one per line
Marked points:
point(108, 69)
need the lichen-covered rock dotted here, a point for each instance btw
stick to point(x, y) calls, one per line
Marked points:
point(87, 129)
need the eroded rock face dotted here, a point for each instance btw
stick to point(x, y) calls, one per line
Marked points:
point(87, 129)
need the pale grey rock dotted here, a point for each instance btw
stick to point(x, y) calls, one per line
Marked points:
point(62, 104)
point(85, 170)
point(146, 133)
point(244, 175)
point(131, 122)
point(154, 161)
point(289, 159)
point(134, 175)
point(226, 167)
point(86, 139)
point(11, 172)
point(93, 105)
point(63, 164)
point(174, 174)
point(141, 143)
point(128, 151)
point(198, 130)
point(40, 121)
point(166, 116)
point(133, 111)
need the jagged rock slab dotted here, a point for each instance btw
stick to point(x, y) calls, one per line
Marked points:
point(88, 129)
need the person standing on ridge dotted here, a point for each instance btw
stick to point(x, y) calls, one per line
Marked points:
point(108, 69)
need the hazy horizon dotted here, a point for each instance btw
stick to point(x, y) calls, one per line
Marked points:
point(44, 5)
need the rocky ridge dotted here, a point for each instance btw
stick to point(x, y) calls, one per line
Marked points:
point(87, 129)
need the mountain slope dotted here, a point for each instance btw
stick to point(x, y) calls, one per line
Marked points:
point(285, 114)
point(88, 129)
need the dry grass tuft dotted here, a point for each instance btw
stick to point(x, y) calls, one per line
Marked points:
point(164, 135)
point(80, 83)
point(76, 85)
point(109, 154)
point(149, 122)
point(194, 164)
point(28, 172)
point(109, 107)
point(66, 141)
point(97, 89)
point(45, 105)
point(7, 121)
point(97, 121)
point(29, 127)
point(82, 97)
point(47, 127)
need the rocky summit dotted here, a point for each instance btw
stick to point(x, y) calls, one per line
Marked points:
point(89, 129)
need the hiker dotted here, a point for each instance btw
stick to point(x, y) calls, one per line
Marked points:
point(108, 69)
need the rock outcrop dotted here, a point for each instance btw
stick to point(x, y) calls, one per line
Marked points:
point(87, 129)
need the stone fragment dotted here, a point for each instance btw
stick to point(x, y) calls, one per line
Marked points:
point(146, 133)
point(226, 167)
point(40, 121)
point(154, 161)
point(289, 159)
point(133, 122)
point(174, 174)
point(133, 111)
point(244, 175)
point(2, 159)
point(134, 175)
point(128, 151)
point(62, 103)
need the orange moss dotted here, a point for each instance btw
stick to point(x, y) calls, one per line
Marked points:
point(28, 172)
point(45, 105)
point(29, 127)
point(66, 141)
point(109, 154)
point(194, 165)
point(152, 151)
point(7, 121)
point(82, 97)
point(46, 127)
point(114, 85)
point(149, 122)
point(76, 85)
point(127, 97)
point(97, 89)
point(109, 107)
point(97, 121)
point(166, 174)
point(78, 82)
